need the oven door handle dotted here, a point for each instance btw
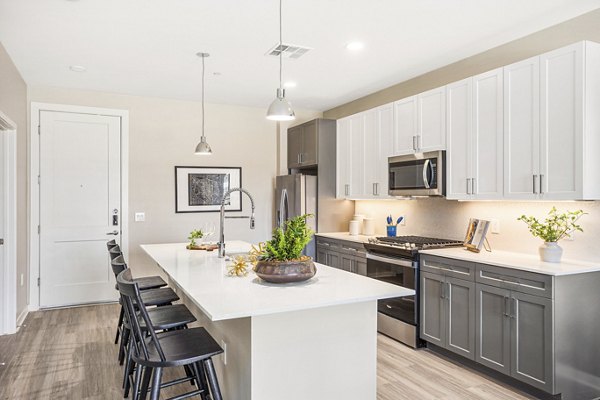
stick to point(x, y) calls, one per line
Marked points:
point(394, 261)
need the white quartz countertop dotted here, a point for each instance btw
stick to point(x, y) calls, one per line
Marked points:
point(524, 262)
point(203, 277)
point(346, 236)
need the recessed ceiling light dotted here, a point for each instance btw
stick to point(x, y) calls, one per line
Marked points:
point(355, 46)
point(77, 68)
point(289, 84)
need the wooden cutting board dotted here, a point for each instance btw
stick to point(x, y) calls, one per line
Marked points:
point(207, 247)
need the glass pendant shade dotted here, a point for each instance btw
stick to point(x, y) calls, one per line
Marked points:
point(280, 109)
point(203, 148)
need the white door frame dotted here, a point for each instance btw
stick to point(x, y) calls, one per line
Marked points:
point(8, 292)
point(34, 189)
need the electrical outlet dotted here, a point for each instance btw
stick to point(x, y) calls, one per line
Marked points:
point(495, 226)
point(140, 217)
point(403, 222)
point(224, 355)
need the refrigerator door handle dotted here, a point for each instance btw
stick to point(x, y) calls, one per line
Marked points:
point(283, 208)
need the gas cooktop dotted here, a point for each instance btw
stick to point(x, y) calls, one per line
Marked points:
point(408, 245)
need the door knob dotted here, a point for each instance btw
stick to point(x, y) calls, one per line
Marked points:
point(115, 233)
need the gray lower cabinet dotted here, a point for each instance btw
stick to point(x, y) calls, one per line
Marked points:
point(346, 255)
point(448, 313)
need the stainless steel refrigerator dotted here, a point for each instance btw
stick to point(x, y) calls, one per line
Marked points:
point(295, 195)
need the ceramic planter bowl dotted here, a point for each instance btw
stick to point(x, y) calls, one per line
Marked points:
point(551, 252)
point(286, 271)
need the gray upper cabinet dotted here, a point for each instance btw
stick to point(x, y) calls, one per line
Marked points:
point(303, 145)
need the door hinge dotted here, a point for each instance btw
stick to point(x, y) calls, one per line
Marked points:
point(39, 229)
point(39, 129)
point(38, 281)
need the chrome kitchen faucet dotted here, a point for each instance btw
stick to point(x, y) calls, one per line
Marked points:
point(222, 220)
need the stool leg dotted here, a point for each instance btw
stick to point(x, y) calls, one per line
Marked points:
point(201, 380)
point(136, 381)
point(212, 379)
point(124, 341)
point(127, 369)
point(119, 325)
point(156, 377)
point(145, 383)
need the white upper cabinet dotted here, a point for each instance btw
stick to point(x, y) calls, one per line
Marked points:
point(431, 111)
point(552, 128)
point(474, 126)
point(365, 140)
point(405, 129)
point(521, 129)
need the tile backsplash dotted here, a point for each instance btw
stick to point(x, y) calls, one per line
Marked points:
point(438, 217)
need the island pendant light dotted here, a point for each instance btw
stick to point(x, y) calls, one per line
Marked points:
point(203, 148)
point(280, 109)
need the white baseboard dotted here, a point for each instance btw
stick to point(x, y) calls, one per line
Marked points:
point(21, 317)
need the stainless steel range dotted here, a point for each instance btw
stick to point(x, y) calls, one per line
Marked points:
point(396, 260)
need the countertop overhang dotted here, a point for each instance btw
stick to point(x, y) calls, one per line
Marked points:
point(202, 276)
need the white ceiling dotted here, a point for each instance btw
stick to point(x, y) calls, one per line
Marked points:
point(148, 47)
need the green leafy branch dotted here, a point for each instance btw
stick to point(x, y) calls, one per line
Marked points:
point(288, 242)
point(556, 226)
point(195, 234)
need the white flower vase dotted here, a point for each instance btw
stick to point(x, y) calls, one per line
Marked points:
point(551, 252)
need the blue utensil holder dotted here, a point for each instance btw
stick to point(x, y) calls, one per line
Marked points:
point(391, 230)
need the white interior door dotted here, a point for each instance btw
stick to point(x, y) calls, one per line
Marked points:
point(80, 206)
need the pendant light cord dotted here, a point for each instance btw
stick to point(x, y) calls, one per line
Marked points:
point(280, 49)
point(203, 95)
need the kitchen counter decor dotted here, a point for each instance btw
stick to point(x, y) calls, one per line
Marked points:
point(555, 227)
point(281, 259)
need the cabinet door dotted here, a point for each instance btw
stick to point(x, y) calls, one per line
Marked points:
point(458, 157)
point(294, 138)
point(310, 144)
point(360, 264)
point(493, 328)
point(461, 317)
point(521, 129)
point(321, 255)
point(432, 120)
point(385, 131)
point(487, 138)
point(371, 153)
point(357, 155)
point(433, 315)
point(561, 123)
point(532, 358)
point(333, 259)
point(343, 158)
point(346, 262)
point(405, 126)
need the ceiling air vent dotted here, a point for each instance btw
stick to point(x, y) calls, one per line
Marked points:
point(288, 50)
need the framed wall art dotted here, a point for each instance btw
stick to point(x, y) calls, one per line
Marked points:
point(200, 189)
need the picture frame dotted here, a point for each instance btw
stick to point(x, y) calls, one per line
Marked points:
point(200, 189)
point(475, 236)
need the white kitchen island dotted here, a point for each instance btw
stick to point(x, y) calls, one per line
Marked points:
point(310, 340)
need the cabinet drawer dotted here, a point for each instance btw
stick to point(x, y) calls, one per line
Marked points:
point(328, 244)
point(516, 280)
point(448, 267)
point(354, 249)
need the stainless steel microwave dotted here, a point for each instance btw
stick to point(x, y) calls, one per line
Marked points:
point(420, 174)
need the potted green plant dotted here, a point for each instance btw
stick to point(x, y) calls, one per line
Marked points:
point(555, 227)
point(280, 259)
point(195, 234)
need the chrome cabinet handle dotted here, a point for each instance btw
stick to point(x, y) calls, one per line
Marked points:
point(347, 189)
point(114, 233)
point(541, 184)
point(442, 290)
point(473, 186)
point(534, 184)
point(506, 307)
point(377, 189)
point(468, 185)
point(418, 142)
point(414, 143)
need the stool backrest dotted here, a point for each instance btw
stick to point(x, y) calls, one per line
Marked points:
point(115, 251)
point(111, 243)
point(118, 265)
point(130, 292)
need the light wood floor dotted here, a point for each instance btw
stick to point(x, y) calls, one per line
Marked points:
point(69, 354)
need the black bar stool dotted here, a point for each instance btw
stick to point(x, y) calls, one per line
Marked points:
point(193, 348)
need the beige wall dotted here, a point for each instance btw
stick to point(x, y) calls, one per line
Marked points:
point(13, 102)
point(584, 27)
point(163, 134)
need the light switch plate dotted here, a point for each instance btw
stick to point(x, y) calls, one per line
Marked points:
point(140, 217)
